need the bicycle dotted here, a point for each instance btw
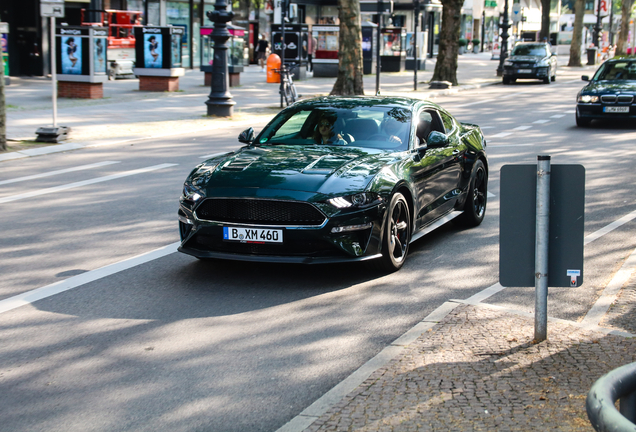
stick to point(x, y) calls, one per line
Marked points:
point(287, 88)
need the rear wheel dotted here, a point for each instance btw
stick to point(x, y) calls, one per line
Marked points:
point(397, 234)
point(475, 206)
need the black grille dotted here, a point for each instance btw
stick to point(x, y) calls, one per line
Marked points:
point(259, 212)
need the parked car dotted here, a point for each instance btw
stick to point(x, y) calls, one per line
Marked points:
point(610, 94)
point(530, 60)
point(335, 179)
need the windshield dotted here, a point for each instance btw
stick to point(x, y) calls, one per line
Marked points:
point(529, 50)
point(378, 127)
point(617, 71)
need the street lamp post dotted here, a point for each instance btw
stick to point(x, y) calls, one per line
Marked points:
point(416, 15)
point(220, 103)
point(505, 25)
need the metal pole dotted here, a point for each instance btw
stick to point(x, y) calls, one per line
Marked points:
point(378, 64)
point(53, 70)
point(505, 25)
point(283, 14)
point(541, 249)
point(415, 58)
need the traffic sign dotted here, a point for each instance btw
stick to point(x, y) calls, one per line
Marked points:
point(516, 12)
point(52, 8)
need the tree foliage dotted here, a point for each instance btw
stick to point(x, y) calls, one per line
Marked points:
point(446, 65)
point(350, 72)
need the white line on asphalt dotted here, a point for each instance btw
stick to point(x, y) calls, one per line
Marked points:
point(541, 121)
point(62, 171)
point(84, 278)
point(83, 183)
point(611, 227)
point(557, 116)
point(501, 135)
point(474, 103)
point(522, 128)
point(596, 313)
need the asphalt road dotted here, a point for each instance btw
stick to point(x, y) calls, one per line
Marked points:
point(177, 344)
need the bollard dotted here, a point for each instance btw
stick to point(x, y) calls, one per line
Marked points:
point(273, 62)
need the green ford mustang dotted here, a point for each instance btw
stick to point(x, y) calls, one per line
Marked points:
point(335, 179)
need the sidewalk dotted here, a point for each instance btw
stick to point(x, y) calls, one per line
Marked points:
point(126, 114)
point(474, 367)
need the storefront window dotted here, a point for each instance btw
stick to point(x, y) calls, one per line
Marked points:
point(178, 14)
point(327, 38)
point(392, 43)
point(196, 27)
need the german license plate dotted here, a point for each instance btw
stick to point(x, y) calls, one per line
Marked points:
point(624, 109)
point(524, 71)
point(252, 235)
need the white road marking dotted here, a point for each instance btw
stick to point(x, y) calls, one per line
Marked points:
point(501, 135)
point(62, 171)
point(84, 278)
point(596, 313)
point(522, 128)
point(611, 227)
point(557, 116)
point(541, 121)
point(83, 183)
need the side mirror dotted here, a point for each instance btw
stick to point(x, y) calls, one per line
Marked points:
point(247, 136)
point(585, 78)
point(437, 139)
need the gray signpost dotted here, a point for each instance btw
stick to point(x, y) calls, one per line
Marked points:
point(541, 230)
point(52, 9)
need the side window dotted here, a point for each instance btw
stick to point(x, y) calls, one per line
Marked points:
point(424, 125)
point(449, 124)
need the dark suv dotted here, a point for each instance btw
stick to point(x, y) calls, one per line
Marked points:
point(530, 60)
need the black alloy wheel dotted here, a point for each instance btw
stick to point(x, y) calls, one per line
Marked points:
point(397, 234)
point(475, 206)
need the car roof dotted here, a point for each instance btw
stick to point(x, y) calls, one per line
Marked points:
point(361, 101)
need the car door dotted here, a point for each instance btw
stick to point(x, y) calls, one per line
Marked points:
point(436, 171)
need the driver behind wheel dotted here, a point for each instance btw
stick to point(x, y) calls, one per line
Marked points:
point(393, 129)
point(324, 133)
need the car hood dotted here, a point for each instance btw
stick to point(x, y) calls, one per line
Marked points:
point(603, 87)
point(316, 169)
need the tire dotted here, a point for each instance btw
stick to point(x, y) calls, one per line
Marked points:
point(475, 206)
point(506, 80)
point(287, 94)
point(293, 92)
point(549, 78)
point(554, 77)
point(397, 234)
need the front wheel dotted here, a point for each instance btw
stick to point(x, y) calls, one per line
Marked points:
point(548, 80)
point(582, 122)
point(475, 206)
point(397, 234)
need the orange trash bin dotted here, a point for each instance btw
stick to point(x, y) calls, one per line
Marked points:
point(273, 62)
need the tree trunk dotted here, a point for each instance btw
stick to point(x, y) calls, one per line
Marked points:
point(545, 21)
point(626, 13)
point(577, 34)
point(3, 112)
point(446, 65)
point(350, 72)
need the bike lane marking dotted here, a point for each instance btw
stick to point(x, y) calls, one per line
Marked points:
point(83, 183)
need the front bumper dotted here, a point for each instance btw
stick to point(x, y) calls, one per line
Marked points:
point(305, 245)
point(598, 111)
point(526, 72)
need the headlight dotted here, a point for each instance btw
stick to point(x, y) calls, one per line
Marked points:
point(588, 98)
point(360, 200)
point(508, 63)
point(192, 193)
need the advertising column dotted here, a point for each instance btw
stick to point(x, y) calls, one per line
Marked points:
point(81, 64)
point(158, 58)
